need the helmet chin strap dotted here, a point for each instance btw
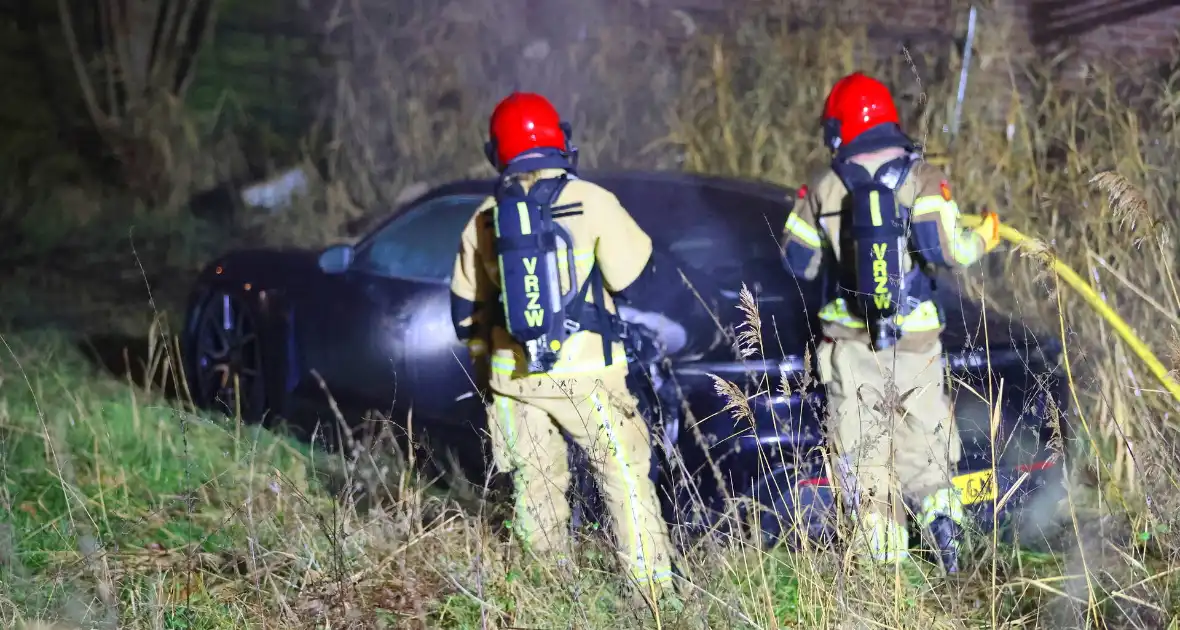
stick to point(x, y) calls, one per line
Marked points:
point(489, 151)
point(571, 151)
point(832, 133)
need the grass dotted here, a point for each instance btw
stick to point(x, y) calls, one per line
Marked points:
point(122, 506)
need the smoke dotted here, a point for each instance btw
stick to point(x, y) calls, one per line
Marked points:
point(413, 82)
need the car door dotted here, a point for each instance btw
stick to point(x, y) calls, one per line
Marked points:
point(404, 269)
point(352, 327)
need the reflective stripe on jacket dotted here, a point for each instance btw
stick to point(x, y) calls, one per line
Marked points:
point(812, 234)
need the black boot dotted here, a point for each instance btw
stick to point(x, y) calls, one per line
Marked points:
point(948, 536)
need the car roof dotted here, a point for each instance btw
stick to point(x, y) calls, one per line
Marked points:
point(648, 195)
point(612, 179)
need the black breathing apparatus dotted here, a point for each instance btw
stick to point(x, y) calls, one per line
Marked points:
point(874, 235)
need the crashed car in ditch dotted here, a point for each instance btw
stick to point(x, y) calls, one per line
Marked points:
point(369, 322)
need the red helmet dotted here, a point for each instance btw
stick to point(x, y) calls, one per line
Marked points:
point(522, 122)
point(856, 104)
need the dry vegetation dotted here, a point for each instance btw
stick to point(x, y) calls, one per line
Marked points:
point(115, 513)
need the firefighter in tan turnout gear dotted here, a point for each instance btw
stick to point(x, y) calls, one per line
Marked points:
point(535, 280)
point(875, 224)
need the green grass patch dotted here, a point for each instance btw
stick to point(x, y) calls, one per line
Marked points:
point(118, 506)
point(97, 474)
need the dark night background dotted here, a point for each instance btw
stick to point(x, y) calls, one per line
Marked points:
point(131, 131)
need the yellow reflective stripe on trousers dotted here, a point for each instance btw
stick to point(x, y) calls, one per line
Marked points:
point(639, 569)
point(965, 245)
point(886, 540)
point(524, 525)
point(798, 227)
point(946, 502)
point(922, 319)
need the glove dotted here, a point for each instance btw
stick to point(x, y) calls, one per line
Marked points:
point(989, 230)
point(481, 361)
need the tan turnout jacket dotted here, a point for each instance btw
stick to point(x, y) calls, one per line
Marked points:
point(603, 233)
point(813, 228)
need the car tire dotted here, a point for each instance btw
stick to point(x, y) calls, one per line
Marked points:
point(233, 337)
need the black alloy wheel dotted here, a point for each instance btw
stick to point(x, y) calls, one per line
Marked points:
point(228, 358)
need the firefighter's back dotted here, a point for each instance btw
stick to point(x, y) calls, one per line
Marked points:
point(605, 240)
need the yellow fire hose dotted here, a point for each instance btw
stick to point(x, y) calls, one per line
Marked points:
point(1015, 237)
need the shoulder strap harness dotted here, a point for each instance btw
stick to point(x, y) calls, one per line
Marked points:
point(579, 314)
point(892, 174)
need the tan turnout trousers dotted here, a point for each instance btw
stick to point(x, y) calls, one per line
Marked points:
point(893, 439)
point(526, 440)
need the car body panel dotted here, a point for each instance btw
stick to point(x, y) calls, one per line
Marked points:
point(386, 342)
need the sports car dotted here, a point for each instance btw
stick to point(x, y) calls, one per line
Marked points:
point(269, 333)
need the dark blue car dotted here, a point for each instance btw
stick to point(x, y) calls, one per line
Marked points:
point(371, 322)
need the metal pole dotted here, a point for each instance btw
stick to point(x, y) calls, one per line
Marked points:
point(967, 54)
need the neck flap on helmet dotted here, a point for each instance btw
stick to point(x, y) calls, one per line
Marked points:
point(883, 136)
point(538, 159)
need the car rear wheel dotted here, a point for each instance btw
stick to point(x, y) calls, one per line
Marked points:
point(227, 360)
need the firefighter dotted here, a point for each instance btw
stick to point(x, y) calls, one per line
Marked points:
point(873, 227)
point(539, 268)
